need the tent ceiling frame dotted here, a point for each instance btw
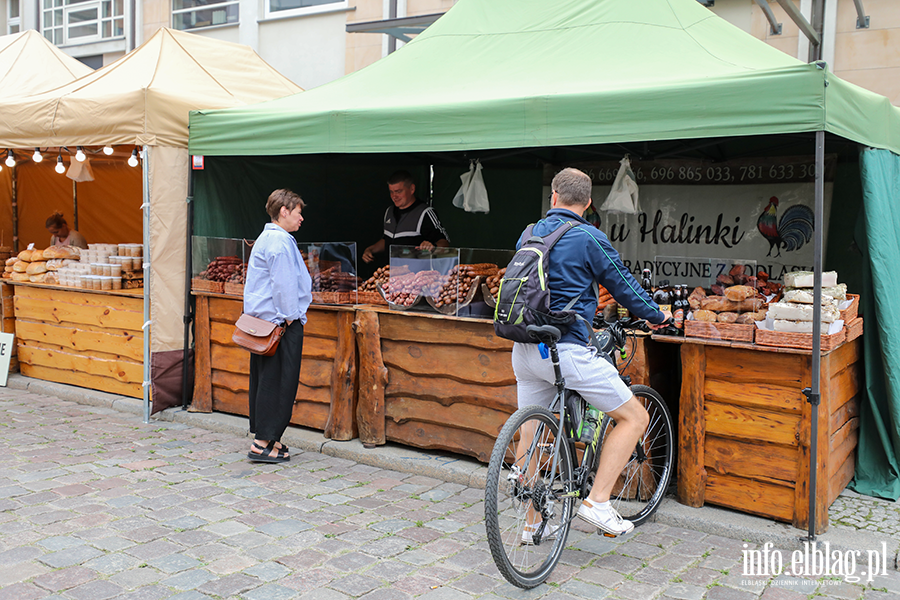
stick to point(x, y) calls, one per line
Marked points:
point(400, 28)
point(862, 20)
point(797, 17)
point(770, 17)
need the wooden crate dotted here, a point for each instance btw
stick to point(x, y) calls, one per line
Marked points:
point(233, 289)
point(88, 339)
point(326, 395)
point(205, 285)
point(745, 428)
point(720, 331)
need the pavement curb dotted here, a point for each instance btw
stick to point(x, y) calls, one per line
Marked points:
point(465, 471)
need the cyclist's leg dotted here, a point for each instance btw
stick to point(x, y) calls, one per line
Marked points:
point(631, 423)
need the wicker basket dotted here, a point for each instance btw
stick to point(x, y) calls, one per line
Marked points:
point(205, 285)
point(854, 329)
point(325, 297)
point(852, 311)
point(804, 341)
point(370, 298)
point(234, 289)
point(731, 332)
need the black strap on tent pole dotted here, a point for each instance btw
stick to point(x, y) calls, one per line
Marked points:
point(188, 314)
point(813, 393)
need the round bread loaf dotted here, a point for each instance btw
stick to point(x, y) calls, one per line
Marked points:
point(25, 255)
point(20, 266)
point(36, 268)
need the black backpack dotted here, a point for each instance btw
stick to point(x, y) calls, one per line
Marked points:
point(523, 298)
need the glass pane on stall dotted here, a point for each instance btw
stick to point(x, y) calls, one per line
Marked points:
point(217, 263)
point(419, 278)
point(333, 270)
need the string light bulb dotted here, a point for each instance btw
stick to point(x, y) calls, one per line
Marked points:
point(107, 150)
point(60, 167)
point(10, 159)
point(37, 155)
point(133, 159)
point(79, 154)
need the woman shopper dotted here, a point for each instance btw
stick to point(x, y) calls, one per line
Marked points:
point(277, 289)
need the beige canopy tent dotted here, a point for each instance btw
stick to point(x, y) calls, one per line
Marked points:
point(143, 100)
point(29, 64)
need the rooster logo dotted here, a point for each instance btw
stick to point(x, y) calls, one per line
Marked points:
point(790, 233)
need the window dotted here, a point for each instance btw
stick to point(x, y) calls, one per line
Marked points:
point(192, 14)
point(281, 7)
point(82, 21)
point(13, 20)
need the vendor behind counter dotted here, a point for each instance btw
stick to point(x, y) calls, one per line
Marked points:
point(61, 234)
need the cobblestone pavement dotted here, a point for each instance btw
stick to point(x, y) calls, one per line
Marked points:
point(96, 505)
point(855, 511)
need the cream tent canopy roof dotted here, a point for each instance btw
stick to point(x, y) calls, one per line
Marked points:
point(145, 96)
point(29, 64)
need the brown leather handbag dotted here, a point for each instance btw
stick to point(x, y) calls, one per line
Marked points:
point(256, 335)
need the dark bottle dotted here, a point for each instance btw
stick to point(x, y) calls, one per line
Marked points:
point(678, 307)
point(663, 297)
point(647, 282)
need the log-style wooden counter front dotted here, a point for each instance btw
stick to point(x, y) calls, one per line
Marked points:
point(745, 428)
point(326, 396)
point(87, 338)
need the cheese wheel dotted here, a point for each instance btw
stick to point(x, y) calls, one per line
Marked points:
point(36, 268)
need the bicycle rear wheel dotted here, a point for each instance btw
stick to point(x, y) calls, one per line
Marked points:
point(644, 480)
point(523, 487)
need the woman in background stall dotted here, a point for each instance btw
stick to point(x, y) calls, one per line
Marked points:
point(60, 234)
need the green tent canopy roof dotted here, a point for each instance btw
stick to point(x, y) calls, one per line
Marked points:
point(533, 73)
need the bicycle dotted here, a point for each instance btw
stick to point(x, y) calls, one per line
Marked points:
point(532, 470)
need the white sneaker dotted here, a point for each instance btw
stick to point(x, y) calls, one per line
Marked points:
point(605, 518)
point(529, 531)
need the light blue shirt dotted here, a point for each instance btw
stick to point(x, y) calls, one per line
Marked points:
point(278, 287)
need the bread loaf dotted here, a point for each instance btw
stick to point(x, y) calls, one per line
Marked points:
point(37, 255)
point(20, 277)
point(25, 255)
point(36, 268)
point(707, 316)
point(718, 304)
point(20, 266)
point(50, 252)
point(728, 317)
point(11, 261)
point(750, 305)
point(8, 269)
point(696, 297)
point(39, 278)
point(739, 292)
point(66, 252)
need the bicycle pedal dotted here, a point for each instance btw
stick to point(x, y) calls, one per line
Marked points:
point(609, 535)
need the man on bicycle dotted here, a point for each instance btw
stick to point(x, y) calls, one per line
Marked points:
point(583, 256)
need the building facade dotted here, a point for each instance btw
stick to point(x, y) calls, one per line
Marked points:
point(313, 42)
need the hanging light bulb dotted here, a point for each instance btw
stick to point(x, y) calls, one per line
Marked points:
point(133, 159)
point(79, 154)
point(37, 155)
point(107, 150)
point(60, 167)
point(10, 159)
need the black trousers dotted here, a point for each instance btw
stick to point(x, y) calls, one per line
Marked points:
point(273, 385)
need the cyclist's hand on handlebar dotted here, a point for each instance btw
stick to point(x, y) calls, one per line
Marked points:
point(666, 323)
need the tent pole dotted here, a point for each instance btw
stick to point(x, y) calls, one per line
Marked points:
point(813, 393)
point(75, 204)
point(188, 268)
point(145, 158)
point(15, 209)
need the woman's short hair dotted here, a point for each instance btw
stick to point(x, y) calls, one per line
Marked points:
point(285, 198)
point(573, 187)
point(55, 220)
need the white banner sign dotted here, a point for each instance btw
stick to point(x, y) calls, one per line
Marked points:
point(6, 349)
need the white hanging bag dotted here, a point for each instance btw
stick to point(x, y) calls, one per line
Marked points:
point(623, 197)
point(472, 195)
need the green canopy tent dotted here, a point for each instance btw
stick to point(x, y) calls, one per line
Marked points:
point(518, 74)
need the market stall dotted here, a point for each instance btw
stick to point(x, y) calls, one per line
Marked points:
point(145, 98)
point(539, 84)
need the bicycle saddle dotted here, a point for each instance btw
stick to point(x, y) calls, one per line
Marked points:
point(544, 333)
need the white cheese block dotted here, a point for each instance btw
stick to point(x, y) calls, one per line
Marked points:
point(803, 327)
point(804, 279)
point(801, 312)
point(805, 296)
point(838, 292)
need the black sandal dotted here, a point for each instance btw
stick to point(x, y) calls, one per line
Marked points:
point(265, 454)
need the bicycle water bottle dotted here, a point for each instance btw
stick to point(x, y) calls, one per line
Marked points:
point(589, 424)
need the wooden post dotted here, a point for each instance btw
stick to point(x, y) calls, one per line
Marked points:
point(341, 425)
point(804, 437)
point(692, 426)
point(373, 378)
point(202, 401)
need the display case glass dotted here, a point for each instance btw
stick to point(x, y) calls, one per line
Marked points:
point(219, 264)
point(449, 281)
point(333, 269)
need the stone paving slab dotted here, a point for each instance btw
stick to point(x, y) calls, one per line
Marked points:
point(172, 511)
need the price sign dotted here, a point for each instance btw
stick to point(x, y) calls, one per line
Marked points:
point(6, 349)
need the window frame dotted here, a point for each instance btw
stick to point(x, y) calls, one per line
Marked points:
point(194, 9)
point(335, 5)
point(12, 21)
point(50, 30)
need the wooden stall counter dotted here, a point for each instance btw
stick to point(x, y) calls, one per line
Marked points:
point(745, 427)
point(8, 319)
point(326, 395)
point(88, 338)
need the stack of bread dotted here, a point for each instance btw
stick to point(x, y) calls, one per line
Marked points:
point(794, 313)
point(40, 266)
point(741, 304)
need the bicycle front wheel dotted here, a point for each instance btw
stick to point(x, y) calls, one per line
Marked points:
point(528, 483)
point(642, 484)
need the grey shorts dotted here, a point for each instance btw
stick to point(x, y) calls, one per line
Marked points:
point(584, 370)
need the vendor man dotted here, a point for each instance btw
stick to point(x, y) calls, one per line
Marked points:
point(410, 222)
point(60, 234)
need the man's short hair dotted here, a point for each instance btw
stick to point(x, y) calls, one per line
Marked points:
point(285, 198)
point(573, 187)
point(401, 177)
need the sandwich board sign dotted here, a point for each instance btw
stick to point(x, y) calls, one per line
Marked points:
point(6, 348)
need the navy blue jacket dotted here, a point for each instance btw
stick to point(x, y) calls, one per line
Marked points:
point(582, 256)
